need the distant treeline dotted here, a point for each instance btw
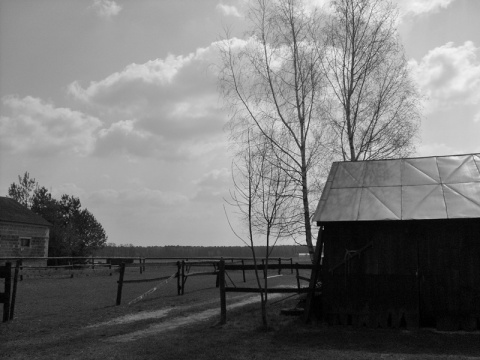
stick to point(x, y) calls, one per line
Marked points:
point(111, 250)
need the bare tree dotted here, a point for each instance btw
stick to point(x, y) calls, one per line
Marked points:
point(261, 197)
point(273, 82)
point(376, 109)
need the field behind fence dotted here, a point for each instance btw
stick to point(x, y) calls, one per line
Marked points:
point(95, 284)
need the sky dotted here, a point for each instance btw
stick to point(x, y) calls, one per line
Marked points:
point(117, 103)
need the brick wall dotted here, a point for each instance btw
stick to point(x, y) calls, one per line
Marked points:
point(10, 234)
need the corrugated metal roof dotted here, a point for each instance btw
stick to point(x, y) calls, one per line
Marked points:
point(12, 211)
point(438, 187)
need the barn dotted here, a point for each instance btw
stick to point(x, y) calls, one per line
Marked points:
point(22, 232)
point(401, 243)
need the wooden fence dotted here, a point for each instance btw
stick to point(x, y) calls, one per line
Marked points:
point(184, 270)
point(224, 267)
point(7, 297)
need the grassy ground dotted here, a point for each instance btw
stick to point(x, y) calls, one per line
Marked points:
point(54, 319)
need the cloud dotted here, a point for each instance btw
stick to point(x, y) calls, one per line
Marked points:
point(228, 10)
point(476, 118)
point(138, 198)
point(106, 8)
point(69, 189)
point(163, 107)
point(213, 185)
point(127, 138)
point(421, 7)
point(37, 128)
point(449, 75)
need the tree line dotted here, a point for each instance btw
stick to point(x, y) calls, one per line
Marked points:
point(112, 250)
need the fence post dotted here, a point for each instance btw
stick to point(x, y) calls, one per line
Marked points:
point(183, 277)
point(14, 290)
point(120, 283)
point(298, 279)
point(21, 268)
point(280, 268)
point(217, 279)
point(140, 264)
point(143, 264)
point(178, 278)
point(243, 270)
point(6, 294)
point(223, 300)
point(291, 264)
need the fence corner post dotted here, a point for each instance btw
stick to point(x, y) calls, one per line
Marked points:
point(223, 300)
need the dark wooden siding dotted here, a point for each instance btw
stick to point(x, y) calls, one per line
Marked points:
point(379, 286)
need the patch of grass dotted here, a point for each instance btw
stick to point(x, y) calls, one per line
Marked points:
point(53, 315)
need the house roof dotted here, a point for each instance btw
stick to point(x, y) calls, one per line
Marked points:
point(12, 211)
point(437, 187)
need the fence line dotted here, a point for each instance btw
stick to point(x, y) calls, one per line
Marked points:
point(223, 267)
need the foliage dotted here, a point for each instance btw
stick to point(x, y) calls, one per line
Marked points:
point(23, 191)
point(74, 232)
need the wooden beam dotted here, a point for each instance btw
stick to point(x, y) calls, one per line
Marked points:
point(314, 276)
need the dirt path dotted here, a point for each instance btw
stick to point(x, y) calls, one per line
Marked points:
point(171, 323)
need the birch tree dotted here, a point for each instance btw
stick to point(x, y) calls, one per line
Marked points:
point(273, 82)
point(375, 112)
point(261, 197)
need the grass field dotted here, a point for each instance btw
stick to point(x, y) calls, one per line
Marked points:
point(63, 318)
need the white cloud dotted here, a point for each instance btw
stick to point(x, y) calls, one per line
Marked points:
point(228, 10)
point(165, 107)
point(36, 127)
point(420, 7)
point(106, 8)
point(449, 75)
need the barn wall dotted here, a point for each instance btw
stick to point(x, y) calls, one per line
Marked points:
point(10, 234)
point(379, 286)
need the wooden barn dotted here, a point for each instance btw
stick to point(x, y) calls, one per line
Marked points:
point(22, 232)
point(401, 243)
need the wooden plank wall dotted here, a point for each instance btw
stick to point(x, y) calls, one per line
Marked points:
point(379, 286)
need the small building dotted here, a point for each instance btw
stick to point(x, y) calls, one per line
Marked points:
point(401, 243)
point(23, 233)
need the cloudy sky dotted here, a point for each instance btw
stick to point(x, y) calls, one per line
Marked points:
point(116, 102)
